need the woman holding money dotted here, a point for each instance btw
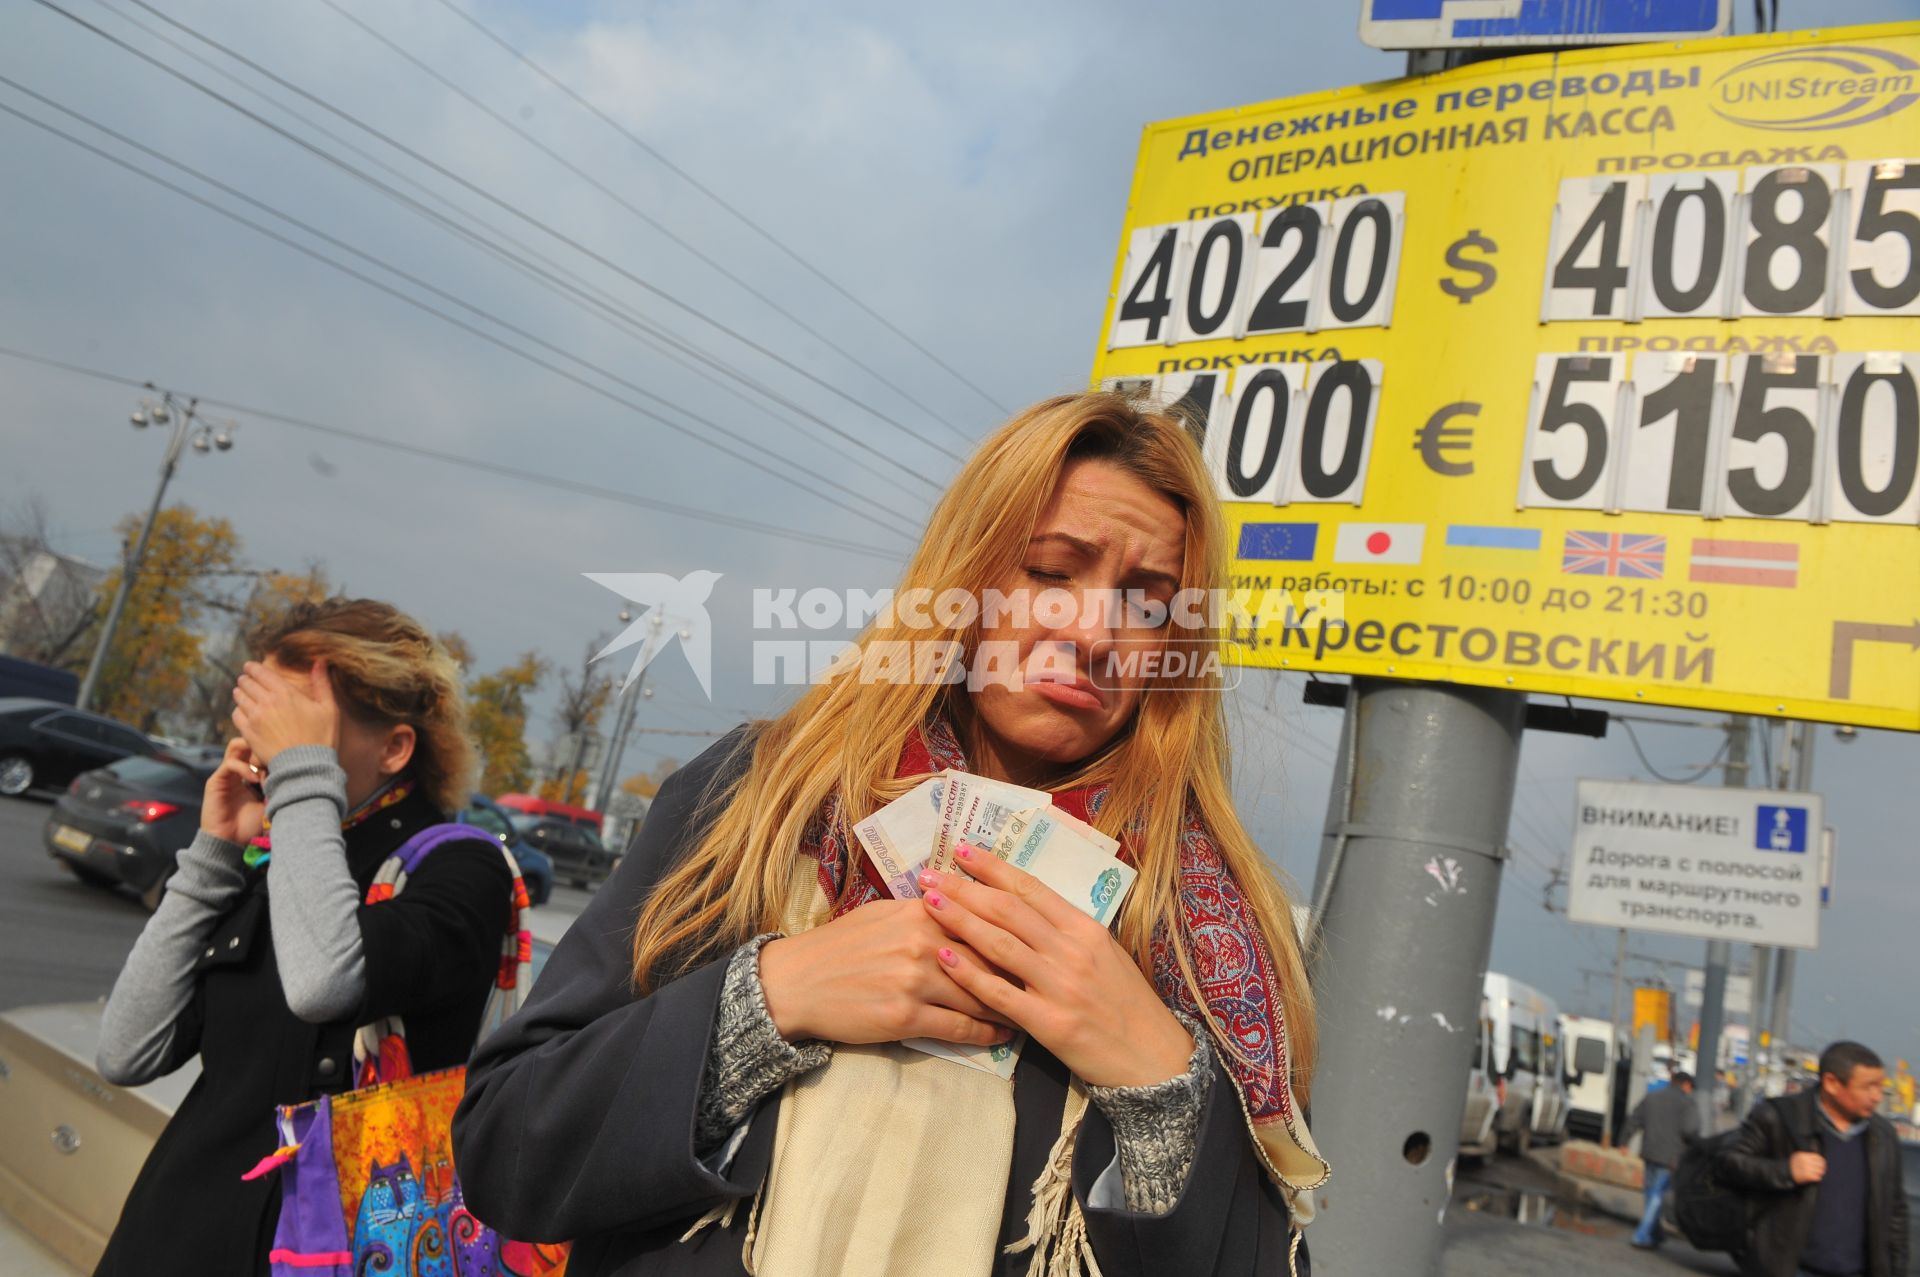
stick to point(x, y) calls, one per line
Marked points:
point(816, 1024)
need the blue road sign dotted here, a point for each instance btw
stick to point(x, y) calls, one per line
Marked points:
point(1780, 828)
point(1440, 24)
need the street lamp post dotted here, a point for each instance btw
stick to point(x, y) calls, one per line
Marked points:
point(206, 437)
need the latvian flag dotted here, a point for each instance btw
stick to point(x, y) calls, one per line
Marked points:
point(1745, 562)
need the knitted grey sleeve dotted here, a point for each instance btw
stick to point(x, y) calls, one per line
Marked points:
point(1157, 1128)
point(312, 899)
point(140, 1037)
point(747, 1059)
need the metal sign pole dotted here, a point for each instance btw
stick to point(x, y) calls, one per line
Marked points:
point(1402, 954)
point(1706, 1067)
point(1783, 979)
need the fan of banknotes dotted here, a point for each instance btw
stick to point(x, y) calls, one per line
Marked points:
point(921, 829)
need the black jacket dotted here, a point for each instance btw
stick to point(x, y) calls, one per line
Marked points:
point(1758, 1162)
point(432, 953)
point(579, 1114)
point(1666, 1119)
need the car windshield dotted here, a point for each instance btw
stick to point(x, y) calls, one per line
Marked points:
point(488, 819)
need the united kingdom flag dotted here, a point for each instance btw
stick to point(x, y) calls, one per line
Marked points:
point(1630, 554)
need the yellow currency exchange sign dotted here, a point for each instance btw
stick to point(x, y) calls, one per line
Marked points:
point(1594, 374)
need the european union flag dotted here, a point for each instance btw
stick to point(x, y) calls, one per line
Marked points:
point(1278, 541)
point(1780, 828)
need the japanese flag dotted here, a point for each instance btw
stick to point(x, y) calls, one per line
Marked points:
point(1379, 543)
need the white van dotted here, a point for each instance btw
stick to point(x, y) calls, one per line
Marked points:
point(1590, 1062)
point(1516, 1092)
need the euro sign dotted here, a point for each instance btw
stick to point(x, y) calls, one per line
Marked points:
point(1483, 271)
point(1437, 438)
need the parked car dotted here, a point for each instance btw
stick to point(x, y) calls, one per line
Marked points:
point(71, 1142)
point(529, 805)
point(124, 824)
point(41, 682)
point(536, 870)
point(577, 853)
point(44, 745)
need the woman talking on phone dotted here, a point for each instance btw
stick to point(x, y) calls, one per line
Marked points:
point(262, 958)
point(713, 1077)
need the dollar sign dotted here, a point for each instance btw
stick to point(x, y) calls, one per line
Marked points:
point(1483, 271)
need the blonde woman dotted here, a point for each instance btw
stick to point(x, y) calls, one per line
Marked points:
point(262, 958)
point(709, 1078)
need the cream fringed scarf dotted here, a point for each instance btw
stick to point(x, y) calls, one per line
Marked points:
point(892, 1161)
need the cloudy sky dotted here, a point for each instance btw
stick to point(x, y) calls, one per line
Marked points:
point(961, 170)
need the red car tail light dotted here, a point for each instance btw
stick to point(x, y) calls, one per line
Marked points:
point(149, 810)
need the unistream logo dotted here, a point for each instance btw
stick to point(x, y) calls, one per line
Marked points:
point(1806, 90)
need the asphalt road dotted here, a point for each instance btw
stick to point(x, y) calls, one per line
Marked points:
point(60, 940)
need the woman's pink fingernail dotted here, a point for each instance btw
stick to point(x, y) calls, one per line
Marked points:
point(964, 852)
point(935, 899)
point(929, 878)
point(949, 957)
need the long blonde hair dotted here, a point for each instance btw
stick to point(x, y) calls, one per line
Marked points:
point(845, 734)
point(387, 669)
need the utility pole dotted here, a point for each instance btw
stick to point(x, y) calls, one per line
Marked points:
point(1713, 997)
point(1408, 881)
point(182, 416)
point(1613, 1037)
point(1777, 1019)
point(624, 715)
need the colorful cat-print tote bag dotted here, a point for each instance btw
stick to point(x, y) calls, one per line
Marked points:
point(367, 1181)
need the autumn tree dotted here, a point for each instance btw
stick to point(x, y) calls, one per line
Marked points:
point(497, 719)
point(188, 569)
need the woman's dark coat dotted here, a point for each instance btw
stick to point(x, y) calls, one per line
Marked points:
point(432, 953)
point(579, 1114)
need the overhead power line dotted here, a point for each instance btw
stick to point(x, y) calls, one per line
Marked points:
point(564, 283)
point(724, 204)
point(648, 219)
point(517, 474)
point(505, 205)
point(861, 500)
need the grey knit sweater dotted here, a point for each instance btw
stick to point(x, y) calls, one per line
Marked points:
point(1155, 1128)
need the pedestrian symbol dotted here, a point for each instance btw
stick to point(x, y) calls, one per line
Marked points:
point(1781, 829)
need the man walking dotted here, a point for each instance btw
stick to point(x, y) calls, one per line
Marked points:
point(1665, 1120)
point(1824, 1173)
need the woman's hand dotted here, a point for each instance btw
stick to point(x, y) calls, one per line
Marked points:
point(232, 808)
point(872, 975)
point(1077, 992)
point(273, 715)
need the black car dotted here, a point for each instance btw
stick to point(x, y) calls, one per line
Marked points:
point(123, 824)
point(44, 744)
point(577, 853)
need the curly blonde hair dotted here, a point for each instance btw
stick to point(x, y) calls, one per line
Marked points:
point(387, 669)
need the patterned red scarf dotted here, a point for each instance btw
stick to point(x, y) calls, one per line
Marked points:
point(1230, 957)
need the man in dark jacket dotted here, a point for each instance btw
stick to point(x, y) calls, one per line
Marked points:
point(1665, 1121)
point(1824, 1172)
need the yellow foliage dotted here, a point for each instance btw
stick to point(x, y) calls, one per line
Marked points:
point(497, 719)
point(156, 648)
point(571, 789)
